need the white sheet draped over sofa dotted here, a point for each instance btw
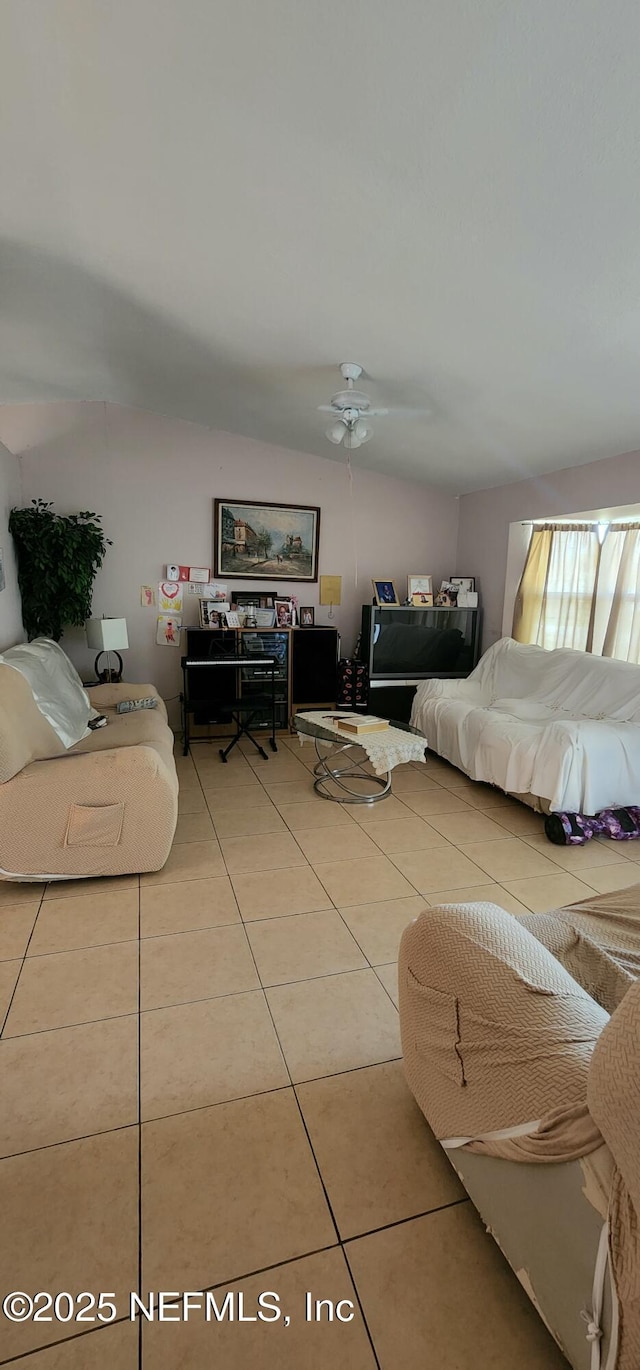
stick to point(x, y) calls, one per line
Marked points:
point(563, 726)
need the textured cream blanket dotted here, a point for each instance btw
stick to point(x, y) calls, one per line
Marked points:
point(500, 1035)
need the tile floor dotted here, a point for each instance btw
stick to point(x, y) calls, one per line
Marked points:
point(202, 1089)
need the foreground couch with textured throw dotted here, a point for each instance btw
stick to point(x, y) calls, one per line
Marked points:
point(73, 802)
point(521, 1043)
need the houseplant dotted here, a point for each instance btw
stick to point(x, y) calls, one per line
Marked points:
point(58, 556)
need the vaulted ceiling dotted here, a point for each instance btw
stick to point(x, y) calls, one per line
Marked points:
point(207, 205)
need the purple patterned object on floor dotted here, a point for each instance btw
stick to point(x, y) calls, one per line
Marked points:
point(574, 829)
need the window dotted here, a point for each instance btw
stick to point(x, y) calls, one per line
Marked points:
point(581, 588)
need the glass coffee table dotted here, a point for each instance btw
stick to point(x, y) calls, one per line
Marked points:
point(342, 761)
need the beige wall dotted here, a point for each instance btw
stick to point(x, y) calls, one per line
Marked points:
point(11, 629)
point(154, 481)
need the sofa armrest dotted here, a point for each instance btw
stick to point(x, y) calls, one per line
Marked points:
point(495, 1033)
point(90, 813)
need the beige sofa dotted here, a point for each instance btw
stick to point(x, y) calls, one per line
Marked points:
point(521, 1044)
point(106, 805)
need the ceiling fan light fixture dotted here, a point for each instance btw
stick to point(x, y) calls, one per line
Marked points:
point(336, 432)
point(351, 439)
point(363, 431)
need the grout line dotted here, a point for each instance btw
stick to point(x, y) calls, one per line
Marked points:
point(64, 1341)
point(23, 959)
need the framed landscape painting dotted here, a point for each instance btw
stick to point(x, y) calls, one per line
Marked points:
point(257, 540)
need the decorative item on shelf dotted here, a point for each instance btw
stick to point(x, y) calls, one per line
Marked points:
point(307, 616)
point(467, 599)
point(447, 596)
point(210, 617)
point(253, 541)
point(284, 613)
point(106, 636)
point(419, 585)
point(467, 583)
point(168, 630)
point(265, 618)
point(233, 619)
point(422, 599)
point(386, 594)
point(213, 589)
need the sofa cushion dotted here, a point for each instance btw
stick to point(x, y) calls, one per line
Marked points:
point(56, 686)
point(142, 728)
point(25, 734)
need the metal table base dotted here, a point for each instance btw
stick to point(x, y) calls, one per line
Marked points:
point(327, 771)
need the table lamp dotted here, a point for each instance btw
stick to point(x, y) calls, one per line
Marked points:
point(107, 635)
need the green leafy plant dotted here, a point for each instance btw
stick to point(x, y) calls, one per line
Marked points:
point(58, 556)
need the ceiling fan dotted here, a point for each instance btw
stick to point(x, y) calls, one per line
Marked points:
point(351, 411)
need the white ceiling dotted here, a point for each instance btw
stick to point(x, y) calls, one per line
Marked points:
point(207, 204)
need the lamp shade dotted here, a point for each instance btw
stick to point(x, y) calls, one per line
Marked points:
point(106, 634)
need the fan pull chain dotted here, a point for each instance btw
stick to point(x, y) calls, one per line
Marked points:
point(354, 534)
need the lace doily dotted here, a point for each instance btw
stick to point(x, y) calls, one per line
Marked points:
point(384, 750)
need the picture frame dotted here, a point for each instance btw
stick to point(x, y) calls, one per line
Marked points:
point(243, 598)
point(463, 582)
point(233, 619)
point(260, 540)
point(307, 615)
point(422, 599)
point(265, 618)
point(386, 595)
point(210, 617)
point(419, 585)
point(447, 596)
point(284, 613)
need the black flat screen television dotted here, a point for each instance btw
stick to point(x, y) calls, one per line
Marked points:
point(412, 644)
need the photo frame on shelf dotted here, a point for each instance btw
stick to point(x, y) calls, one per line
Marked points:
point(307, 615)
point(284, 613)
point(467, 583)
point(422, 599)
point(210, 617)
point(245, 598)
point(447, 596)
point(258, 540)
point(386, 595)
point(419, 585)
point(265, 618)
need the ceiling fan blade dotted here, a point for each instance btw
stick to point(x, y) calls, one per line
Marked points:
point(407, 412)
point(328, 409)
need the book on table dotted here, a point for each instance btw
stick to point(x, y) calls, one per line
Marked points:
point(361, 723)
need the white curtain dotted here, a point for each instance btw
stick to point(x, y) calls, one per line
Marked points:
point(575, 592)
point(617, 615)
point(555, 603)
